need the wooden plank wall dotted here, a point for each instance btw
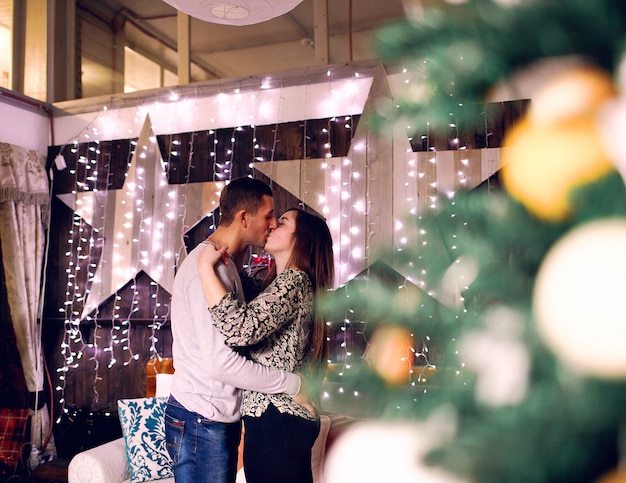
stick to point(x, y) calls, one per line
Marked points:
point(90, 384)
point(102, 66)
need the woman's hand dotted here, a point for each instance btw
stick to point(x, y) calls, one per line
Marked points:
point(211, 254)
point(212, 286)
point(303, 397)
point(303, 401)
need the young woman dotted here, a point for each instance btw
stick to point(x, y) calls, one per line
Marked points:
point(280, 329)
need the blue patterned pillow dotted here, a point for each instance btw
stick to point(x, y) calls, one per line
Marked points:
point(143, 426)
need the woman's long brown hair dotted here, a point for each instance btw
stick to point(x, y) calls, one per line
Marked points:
point(313, 253)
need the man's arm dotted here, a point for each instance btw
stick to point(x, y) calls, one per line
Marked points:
point(224, 364)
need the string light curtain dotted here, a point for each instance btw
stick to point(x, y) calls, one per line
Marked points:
point(372, 195)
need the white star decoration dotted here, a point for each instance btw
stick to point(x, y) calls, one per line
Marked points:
point(143, 223)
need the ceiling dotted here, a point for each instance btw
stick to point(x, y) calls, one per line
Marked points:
point(222, 51)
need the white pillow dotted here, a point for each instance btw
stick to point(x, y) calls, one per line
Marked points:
point(143, 427)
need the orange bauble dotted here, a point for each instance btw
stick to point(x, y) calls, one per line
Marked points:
point(557, 147)
point(543, 164)
point(391, 354)
point(615, 476)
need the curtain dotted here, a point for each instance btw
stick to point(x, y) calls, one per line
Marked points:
point(24, 211)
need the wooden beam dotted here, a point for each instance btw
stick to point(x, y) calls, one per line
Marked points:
point(18, 34)
point(119, 56)
point(183, 47)
point(36, 50)
point(320, 29)
point(62, 56)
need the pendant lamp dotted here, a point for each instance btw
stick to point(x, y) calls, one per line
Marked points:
point(234, 12)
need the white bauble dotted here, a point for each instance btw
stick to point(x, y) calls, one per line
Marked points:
point(377, 451)
point(579, 299)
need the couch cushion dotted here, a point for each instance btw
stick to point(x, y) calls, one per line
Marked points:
point(143, 426)
point(318, 452)
point(106, 463)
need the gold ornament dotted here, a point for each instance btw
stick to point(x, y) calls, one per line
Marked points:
point(557, 147)
point(542, 164)
point(616, 476)
point(391, 354)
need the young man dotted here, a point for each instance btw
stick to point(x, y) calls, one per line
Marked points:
point(202, 419)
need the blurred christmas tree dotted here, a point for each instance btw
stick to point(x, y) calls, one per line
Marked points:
point(539, 337)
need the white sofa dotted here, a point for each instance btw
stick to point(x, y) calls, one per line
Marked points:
point(108, 462)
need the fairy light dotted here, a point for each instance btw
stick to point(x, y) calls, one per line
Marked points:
point(92, 277)
point(73, 346)
point(158, 319)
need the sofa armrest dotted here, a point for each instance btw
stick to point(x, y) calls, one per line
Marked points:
point(106, 463)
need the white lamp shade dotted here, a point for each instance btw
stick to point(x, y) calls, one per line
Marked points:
point(234, 12)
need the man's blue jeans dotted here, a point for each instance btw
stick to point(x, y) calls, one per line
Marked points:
point(202, 450)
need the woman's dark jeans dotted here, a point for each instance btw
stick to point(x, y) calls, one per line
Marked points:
point(277, 447)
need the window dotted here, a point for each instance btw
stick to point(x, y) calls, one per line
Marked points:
point(5, 44)
point(141, 73)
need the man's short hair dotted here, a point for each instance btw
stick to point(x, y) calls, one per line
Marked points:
point(242, 194)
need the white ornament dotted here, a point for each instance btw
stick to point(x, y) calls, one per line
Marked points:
point(499, 358)
point(578, 299)
point(389, 451)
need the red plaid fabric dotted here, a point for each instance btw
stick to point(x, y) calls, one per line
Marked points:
point(13, 427)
